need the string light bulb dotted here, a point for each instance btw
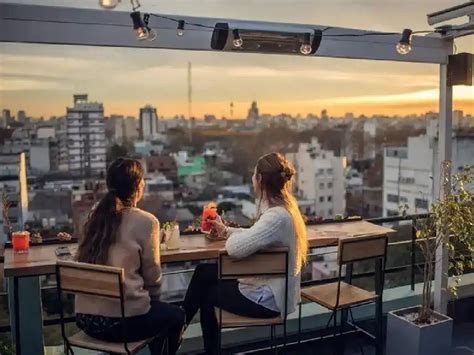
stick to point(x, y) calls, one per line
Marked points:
point(180, 30)
point(109, 4)
point(238, 42)
point(306, 48)
point(139, 26)
point(404, 45)
point(146, 20)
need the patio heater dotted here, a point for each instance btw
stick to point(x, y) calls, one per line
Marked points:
point(263, 41)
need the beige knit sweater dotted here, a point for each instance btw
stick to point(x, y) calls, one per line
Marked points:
point(137, 251)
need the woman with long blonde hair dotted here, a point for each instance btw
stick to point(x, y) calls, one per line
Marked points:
point(279, 224)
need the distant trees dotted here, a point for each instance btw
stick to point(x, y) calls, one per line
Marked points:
point(116, 151)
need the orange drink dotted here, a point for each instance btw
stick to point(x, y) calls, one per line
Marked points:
point(209, 212)
point(21, 241)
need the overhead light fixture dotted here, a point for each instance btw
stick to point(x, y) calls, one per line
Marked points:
point(404, 45)
point(141, 27)
point(237, 41)
point(180, 30)
point(109, 4)
point(263, 41)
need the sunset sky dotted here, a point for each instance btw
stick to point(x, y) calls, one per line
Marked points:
point(41, 79)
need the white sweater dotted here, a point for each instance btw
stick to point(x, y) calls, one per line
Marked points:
point(273, 229)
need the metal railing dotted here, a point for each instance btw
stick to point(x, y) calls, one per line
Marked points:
point(391, 270)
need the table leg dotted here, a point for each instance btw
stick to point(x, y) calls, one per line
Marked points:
point(26, 316)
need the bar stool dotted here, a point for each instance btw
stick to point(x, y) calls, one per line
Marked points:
point(272, 262)
point(342, 295)
point(96, 280)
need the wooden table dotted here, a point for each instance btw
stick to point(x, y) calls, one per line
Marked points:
point(23, 272)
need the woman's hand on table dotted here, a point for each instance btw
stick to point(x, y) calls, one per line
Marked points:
point(219, 226)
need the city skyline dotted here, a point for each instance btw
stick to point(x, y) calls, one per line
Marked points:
point(41, 79)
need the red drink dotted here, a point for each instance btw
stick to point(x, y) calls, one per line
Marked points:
point(21, 241)
point(209, 212)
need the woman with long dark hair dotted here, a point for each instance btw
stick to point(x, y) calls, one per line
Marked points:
point(119, 234)
point(280, 224)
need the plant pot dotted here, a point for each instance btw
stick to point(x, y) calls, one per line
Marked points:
point(407, 338)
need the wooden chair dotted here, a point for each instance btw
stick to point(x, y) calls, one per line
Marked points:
point(95, 280)
point(341, 295)
point(272, 262)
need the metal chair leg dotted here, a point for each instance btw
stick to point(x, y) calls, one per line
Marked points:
point(329, 320)
point(219, 341)
point(299, 324)
point(272, 337)
point(361, 347)
point(334, 334)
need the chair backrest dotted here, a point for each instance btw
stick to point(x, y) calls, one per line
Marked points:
point(89, 279)
point(271, 262)
point(361, 248)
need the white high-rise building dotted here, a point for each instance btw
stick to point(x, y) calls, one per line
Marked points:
point(86, 149)
point(411, 173)
point(319, 180)
point(14, 186)
point(148, 123)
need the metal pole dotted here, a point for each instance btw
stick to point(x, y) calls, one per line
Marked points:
point(413, 254)
point(444, 153)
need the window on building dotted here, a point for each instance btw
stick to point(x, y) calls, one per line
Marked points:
point(329, 198)
point(329, 185)
point(321, 185)
point(392, 198)
point(320, 171)
point(391, 213)
point(403, 199)
point(330, 213)
point(321, 199)
point(329, 171)
point(421, 203)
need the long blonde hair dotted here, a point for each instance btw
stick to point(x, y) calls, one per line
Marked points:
point(277, 175)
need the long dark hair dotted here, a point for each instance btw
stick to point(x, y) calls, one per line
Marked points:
point(100, 230)
point(277, 175)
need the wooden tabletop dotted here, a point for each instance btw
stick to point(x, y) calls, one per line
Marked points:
point(41, 259)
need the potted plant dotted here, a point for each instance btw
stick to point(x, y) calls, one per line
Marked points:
point(421, 330)
point(171, 235)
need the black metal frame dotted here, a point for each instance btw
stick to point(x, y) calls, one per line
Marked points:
point(272, 326)
point(121, 297)
point(379, 274)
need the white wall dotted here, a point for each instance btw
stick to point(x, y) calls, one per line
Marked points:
point(320, 178)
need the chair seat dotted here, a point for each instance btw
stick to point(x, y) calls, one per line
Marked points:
point(234, 320)
point(326, 295)
point(82, 340)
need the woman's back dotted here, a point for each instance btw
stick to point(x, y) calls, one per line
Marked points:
point(274, 229)
point(137, 251)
